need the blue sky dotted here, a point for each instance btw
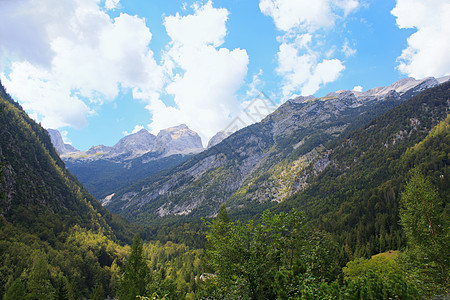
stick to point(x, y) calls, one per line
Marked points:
point(97, 70)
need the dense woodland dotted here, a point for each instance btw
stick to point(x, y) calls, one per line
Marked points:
point(389, 238)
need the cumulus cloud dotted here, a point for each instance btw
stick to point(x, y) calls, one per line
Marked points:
point(305, 71)
point(84, 58)
point(428, 47)
point(111, 4)
point(358, 88)
point(290, 14)
point(48, 101)
point(190, 30)
point(300, 59)
point(203, 77)
point(136, 129)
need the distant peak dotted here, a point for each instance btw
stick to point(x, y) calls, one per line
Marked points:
point(143, 130)
point(181, 126)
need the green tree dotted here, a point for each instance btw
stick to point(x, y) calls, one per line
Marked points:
point(39, 284)
point(267, 260)
point(63, 291)
point(428, 236)
point(222, 215)
point(16, 291)
point(98, 293)
point(136, 276)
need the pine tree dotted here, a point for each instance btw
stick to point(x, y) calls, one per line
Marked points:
point(15, 291)
point(98, 293)
point(39, 285)
point(63, 290)
point(427, 232)
point(136, 276)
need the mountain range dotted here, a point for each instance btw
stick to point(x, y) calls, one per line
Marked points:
point(265, 163)
point(104, 169)
point(175, 140)
point(342, 160)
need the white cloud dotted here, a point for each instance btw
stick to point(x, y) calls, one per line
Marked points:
point(300, 57)
point(358, 88)
point(48, 101)
point(204, 78)
point(255, 87)
point(86, 58)
point(136, 129)
point(25, 32)
point(190, 30)
point(292, 14)
point(305, 15)
point(65, 138)
point(347, 6)
point(304, 72)
point(347, 50)
point(428, 48)
point(111, 4)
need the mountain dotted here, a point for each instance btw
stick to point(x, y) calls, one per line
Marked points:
point(136, 144)
point(55, 238)
point(356, 197)
point(103, 177)
point(175, 140)
point(265, 163)
point(103, 170)
point(58, 142)
point(217, 138)
point(36, 183)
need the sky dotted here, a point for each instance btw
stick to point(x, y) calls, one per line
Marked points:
point(98, 70)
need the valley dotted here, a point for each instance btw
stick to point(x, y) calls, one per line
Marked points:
point(340, 175)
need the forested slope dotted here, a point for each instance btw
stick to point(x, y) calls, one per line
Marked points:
point(53, 234)
point(356, 198)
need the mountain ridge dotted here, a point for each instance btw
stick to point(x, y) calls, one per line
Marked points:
point(174, 140)
point(260, 162)
point(37, 185)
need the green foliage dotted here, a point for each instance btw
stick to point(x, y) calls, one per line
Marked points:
point(427, 230)
point(174, 269)
point(84, 259)
point(104, 177)
point(16, 291)
point(356, 198)
point(63, 290)
point(270, 259)
point(136, 275)
point(380, 277)
point(39, 285)
point(98, 293)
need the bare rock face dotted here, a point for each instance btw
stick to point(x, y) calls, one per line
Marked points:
point(177, 140)
point(405, 87)
point(262, 163)
point(103, 170)
point(217, 138)
point(135, 144)
point(58, 142)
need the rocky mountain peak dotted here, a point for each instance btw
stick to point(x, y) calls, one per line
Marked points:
point(136, 143)
point(99, 149)
point(58, 142)
point(302, 99)
point(341, 94)
point(177, 132)
point(405, 86)
point(218, 137)
point(178, 139)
